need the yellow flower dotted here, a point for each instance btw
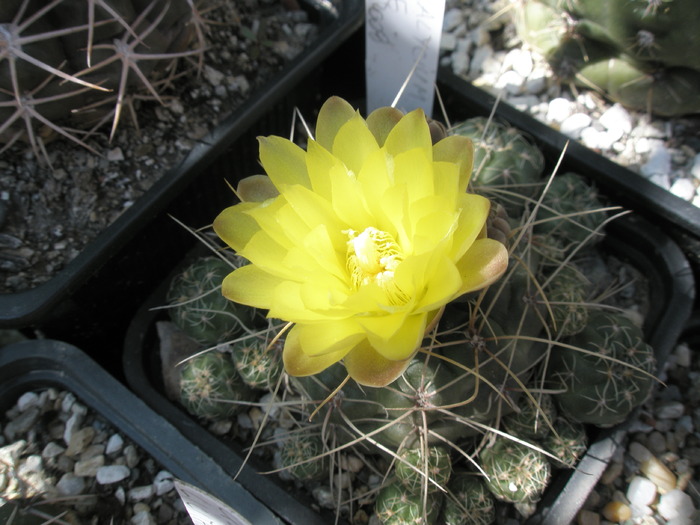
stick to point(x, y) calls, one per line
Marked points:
point(360, 240)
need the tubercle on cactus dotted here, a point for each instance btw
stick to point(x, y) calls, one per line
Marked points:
point(485, 377)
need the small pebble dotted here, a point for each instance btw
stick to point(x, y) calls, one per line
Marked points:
point(575, 124)
point(676, 504)
point(617, 512)
point(111, 474)
point(659, 473)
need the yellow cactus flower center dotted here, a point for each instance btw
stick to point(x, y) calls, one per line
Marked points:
point(373, 256)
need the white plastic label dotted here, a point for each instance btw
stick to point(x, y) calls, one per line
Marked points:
point(205, 509)
point(401, 35)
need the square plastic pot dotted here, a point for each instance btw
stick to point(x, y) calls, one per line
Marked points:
point(31, 365)
point(632, 239)
point(100, 288)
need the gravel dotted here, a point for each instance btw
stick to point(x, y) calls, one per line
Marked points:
point(479, 43)
point(55, 450)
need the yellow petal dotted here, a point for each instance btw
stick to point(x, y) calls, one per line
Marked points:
point(404, 342)
point(415, 170)
point(458, 150)
point(471, 221)
point(409, 133)
point(256, 188)
point(333, 114)
point(284, 162)
point(444, 284)
point(298, 363)
point(251, 286)
point(369, 368)
point(329, 337)
point(483, 264)
point(353, 143)
point(381, 121)
point(235, 226)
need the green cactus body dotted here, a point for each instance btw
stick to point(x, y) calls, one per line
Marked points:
point(199, 309)
point(571, 210)
point(566, 295)
point(515, 473)
point(468, 502)
point(259, 363)
point(301, 456)
point(533, 420)
point(642, 53)
point(210, 386)
point(611, 374)
point(567, 443)
point(412, 466)
point(397, 505)
point(506, 165)
point(76, 63)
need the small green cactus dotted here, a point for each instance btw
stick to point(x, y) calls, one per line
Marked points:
point(567, 443)
point(301, 456)
point(514, 472)
point(199, 309)
point(210, 386)
point(507, 166)
point(533, 420)
point(396, 505)
point(566, 294)
point(468, 501)
point(604, 371)
point(571, 210)
point(414, 470)
point(259, 363)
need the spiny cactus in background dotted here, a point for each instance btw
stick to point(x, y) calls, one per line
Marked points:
point(495, 366)
point(514, 472)
point(210, 386)
point(301, 456)
point(505, 162)
point(468, 501)
point(606, 372)
point(68, 64)
point(259, 361)
point(641, 53)
point(197, 306)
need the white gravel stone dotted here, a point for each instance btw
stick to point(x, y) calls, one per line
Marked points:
point(115, 443)
point(575, 124)
point(143, 518)
point(683, 188)
point(511, 82)
point(641, 492)
point(51, 450)
point(638, 451)
point(669, 410)
point(676, 504)
point(659, 162)
point(163, 482)
point(519, 61)
point(70, 485)
point(112, 474)
point(140, 493)
point(695, 169)
point(453, 17)
point(617, 118)
point(559, 110)
point(28, 400)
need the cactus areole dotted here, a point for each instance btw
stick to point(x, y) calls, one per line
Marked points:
point(360, 240)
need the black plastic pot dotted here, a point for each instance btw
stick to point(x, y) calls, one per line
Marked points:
point(31, 365)
point(632, 239)
point(100, 288)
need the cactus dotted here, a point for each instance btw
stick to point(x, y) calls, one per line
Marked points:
point(505, 162)
point(210, 386)
point(604, 371)
point(567, 442)
point(641, 53)
point(514, 472)
point(533, 420)
point(414, 470)
point(258, 362)
point(468, 502)
point(397, 505)
point(199, 309)
point(299, 456)
point(68, 63)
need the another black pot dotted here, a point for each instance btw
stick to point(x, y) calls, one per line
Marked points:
point(632, 239)
point(90, 301)
point(31, 365)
